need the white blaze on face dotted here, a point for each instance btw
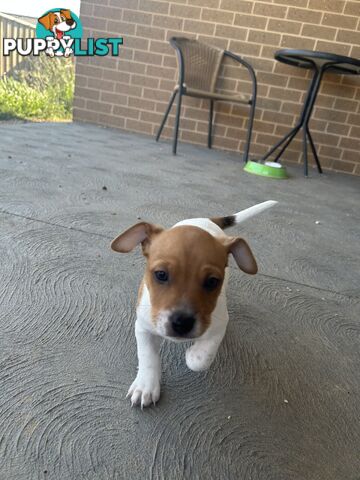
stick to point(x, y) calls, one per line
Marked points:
point(162, 323)
point(61, 26)
point(164, 328)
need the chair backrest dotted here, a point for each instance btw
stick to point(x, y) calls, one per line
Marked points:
point(198, 63)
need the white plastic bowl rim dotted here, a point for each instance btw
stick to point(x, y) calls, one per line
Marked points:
point(273, 164)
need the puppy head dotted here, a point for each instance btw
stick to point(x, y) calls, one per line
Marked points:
point(184, 273)
point(58, 22)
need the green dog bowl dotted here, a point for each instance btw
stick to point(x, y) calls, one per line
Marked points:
point(267, 169)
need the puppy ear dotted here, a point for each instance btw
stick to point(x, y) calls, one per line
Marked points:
point(66, 13)
point(242, 254)
point(140, 233)
point(45, 21)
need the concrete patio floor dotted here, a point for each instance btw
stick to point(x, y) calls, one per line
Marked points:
point(282, 400)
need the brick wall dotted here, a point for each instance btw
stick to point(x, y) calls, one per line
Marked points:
point(131, 91)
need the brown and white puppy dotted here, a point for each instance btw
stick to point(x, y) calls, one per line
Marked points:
point(182, 295)
point(58, 23)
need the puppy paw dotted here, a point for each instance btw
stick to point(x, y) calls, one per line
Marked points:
point(144, 391)
point(68, 52)
point(198, 359)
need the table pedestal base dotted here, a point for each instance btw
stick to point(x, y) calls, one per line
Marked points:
point(303, 125)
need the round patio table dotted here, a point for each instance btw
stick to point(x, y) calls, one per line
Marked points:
point(319, 63)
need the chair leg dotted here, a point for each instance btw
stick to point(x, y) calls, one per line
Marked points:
point(249, 132)
point(305, 152)
point(177, 122)
point(168, 108)
point(211, 114)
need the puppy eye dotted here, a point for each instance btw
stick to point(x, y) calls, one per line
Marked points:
point(211, 283)
point(63, 18)
point(161, 276)
point(56, 20)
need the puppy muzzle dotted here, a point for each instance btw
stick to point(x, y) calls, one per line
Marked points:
point(178, 325)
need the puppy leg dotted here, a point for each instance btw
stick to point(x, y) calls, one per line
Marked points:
point(202, 353)
point(67, 49)
point(50, 52)
point(68, 52)
point(145, 389)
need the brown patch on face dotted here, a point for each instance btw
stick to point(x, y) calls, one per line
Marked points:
point(48, 20)
point(190, 256)
point(66, 13)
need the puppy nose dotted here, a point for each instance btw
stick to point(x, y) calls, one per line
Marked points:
point(182, 322)
point(69, 22)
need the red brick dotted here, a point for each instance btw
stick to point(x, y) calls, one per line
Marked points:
point(317, 32)
point(196, 26)
point(250, 21)
point(267, 10)
point(304, 15)
point(185, 11)
point(348, 36)
point(284, 26)
point(217, 16)
point(264, 37)
point(350, 143)
point(232, 32)
point(327, 5)
point(153, 6)
point(343, 166)
point(339, 21)
point(150, 32)
point(237, 5)
point(352, 8)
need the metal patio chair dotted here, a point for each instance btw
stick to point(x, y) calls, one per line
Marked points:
point(199, 66)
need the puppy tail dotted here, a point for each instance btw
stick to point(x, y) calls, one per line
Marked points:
point(229, 221)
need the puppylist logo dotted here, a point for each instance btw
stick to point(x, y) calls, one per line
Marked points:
point(58, 34)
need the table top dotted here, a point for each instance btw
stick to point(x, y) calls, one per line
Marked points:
point(330, 62)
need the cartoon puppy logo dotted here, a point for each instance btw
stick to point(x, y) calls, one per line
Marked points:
point(58, 22)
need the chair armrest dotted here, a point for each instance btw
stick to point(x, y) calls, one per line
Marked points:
point(250, 70)
point(181, 64)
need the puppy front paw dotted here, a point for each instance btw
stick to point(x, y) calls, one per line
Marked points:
point(50, 52)
point(144, 391)
point(199, 359)
point(68, 52)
